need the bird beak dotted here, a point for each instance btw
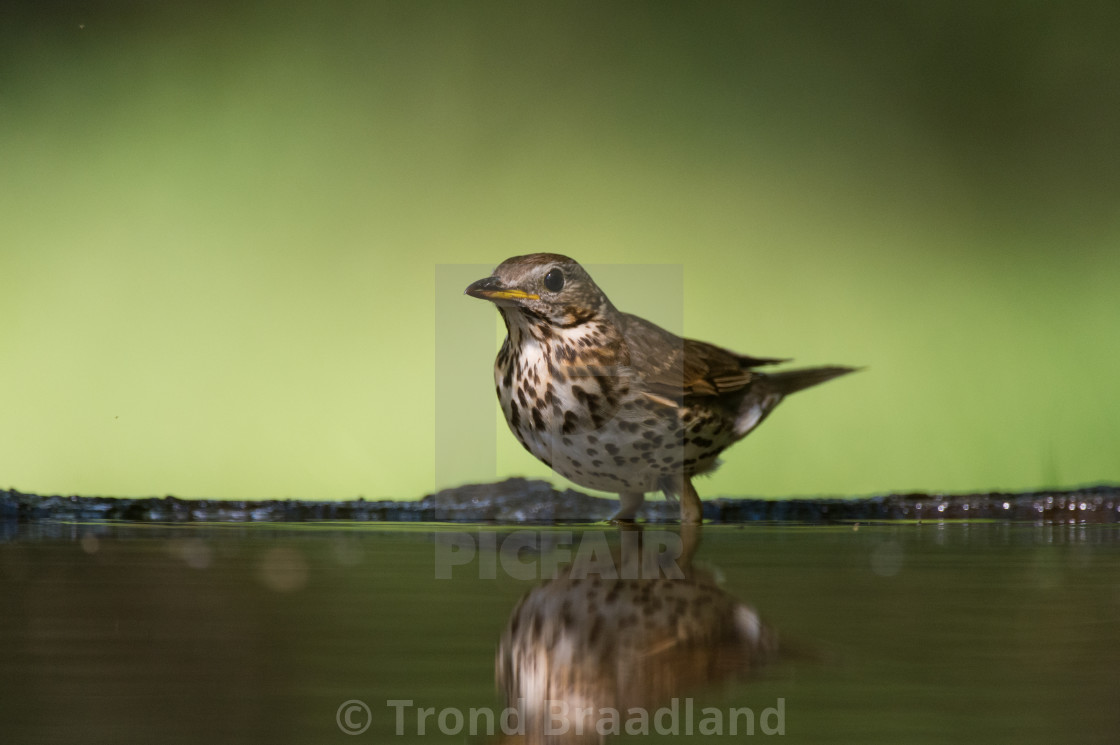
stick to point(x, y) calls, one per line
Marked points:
point(491, 289)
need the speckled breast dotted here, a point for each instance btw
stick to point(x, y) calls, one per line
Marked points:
point(594, 424)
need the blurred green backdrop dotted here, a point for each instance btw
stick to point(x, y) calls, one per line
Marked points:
point(221, 227)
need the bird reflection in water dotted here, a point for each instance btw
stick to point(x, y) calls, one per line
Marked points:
point(602, 644)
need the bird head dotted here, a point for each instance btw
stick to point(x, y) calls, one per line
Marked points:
point(542, 287)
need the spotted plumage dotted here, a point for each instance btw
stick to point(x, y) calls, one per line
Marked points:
point(613, 402)
point(596, 642)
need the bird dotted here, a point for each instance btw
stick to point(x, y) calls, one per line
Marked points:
point(598, 638)
point(613, 402)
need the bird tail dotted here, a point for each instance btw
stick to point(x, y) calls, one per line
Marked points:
point(792, 381)
point(777, 386)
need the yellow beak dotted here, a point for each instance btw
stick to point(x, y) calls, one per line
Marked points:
point(491, 289)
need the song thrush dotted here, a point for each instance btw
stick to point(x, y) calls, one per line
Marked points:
point(599, 643)
point(613, 402)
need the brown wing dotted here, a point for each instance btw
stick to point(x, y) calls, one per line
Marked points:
point(672, 367)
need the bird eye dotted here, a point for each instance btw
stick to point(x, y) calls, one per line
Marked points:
point(554, 280)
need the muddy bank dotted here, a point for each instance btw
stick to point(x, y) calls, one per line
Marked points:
point(522, 500)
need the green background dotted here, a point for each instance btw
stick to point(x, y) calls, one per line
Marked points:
point(223, 227)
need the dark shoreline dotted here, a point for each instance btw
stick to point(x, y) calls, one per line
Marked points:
point(519, 500)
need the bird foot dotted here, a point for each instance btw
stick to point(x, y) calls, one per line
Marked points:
point(692, 512)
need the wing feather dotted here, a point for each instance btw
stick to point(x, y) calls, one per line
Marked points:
point(674, 368)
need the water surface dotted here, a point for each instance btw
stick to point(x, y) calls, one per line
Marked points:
point(934, 632)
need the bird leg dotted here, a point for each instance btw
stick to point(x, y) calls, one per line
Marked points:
point(628, 504)
point(690, 541)
point(691, 511)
